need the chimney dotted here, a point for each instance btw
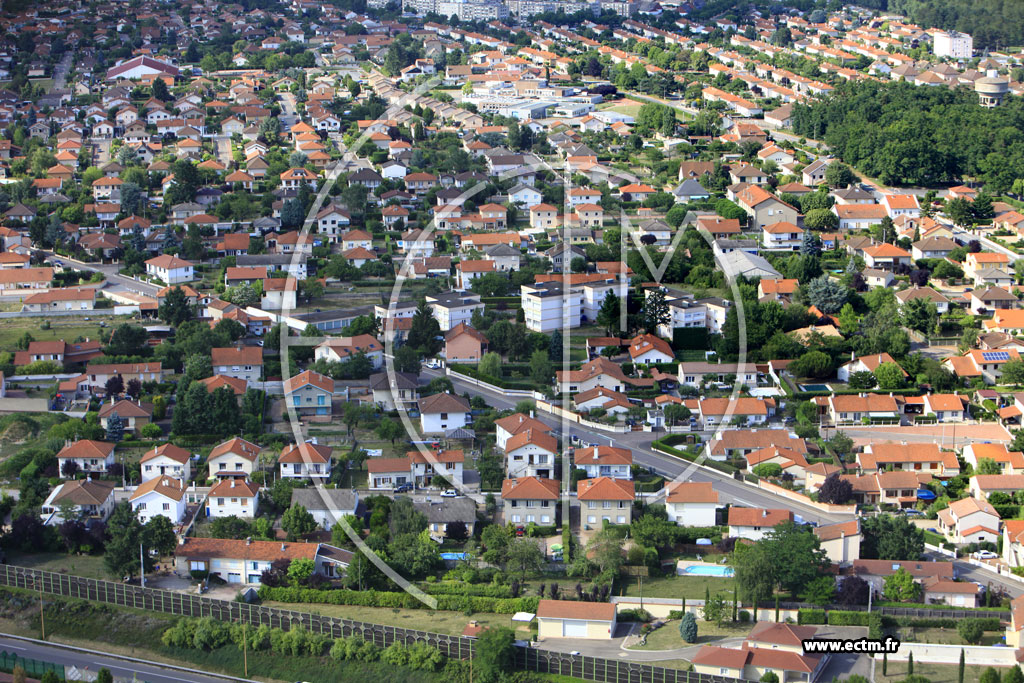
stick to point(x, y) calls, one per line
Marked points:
point(232, 483)
point(764, 513)
point(248, 540)
point(282, 547)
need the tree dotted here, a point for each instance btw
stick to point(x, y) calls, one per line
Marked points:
point(769, 677)
point(655, 311)
point(1013, 674)
point(490, 364)
point(121, 555)
point(525, 556)
point(890, 376)
point(810, 244)
point(555, 342)
point(821, 219)
point(115, 428)
point(959, 211)
point(424, 331)
point(901, 587)
point(920, 314)
point(494, 653)
point(816, 364)
point(160, 90)
point(407, 360)
point(841, 443)
point(300, 569)
point(962, 666)
point(114, 386)
point(853, 590)
point(989, 675)
point(688, 628)
point(175, 308)
point(820, 591)
point(104, 675)
point(389, 430)
point(676, 413)
point(988, 466)
point(827, 295)
point(835, 490)
point(839, 175)
point(608, 317)
point(886, 537)
point(158, 534)
point(1013, 373)
point(970, 630)
point(540, 367)
point(981, 207)
point(297, 522)
point(863, 379)
point(714, 609)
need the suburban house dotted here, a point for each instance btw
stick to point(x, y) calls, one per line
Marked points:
point(89, 500)
point(233, 497)
point(167, 459)
point(162, 495)
point(442, 412)
point(170, 270)
point(864, 364)
point(134, 416)
point(244, 561)
point(604, 461)
point(840, 541)
point(463, 344)
point(605, 499)
point(241, 362)
point(916, 457)
point(691, 503)
point(306, 460)
point(855, 409)
point(530, 499)
point(573, 619)
point(507, 427)
point(530, 453)
point(970, 520)
point(753, 523)
point(394, 393)
point(88, 456)
point(234, 458)
point(443, 514)
point(327, 505)
point(309, 393)
point(342, 349)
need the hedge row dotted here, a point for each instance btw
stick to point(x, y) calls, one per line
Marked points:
point(851, 618)
point(462, 588)
point(455, 603)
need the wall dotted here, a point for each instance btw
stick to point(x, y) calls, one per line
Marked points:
point(974, 655)
point(801, 498)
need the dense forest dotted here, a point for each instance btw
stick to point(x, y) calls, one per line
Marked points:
point(903, 134)
point(994, 24)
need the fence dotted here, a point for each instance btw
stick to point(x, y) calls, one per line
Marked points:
point(453, 647)
point(891, 611)
point(33, 667)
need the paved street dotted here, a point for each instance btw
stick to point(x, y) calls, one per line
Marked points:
point(120, 667)
point(115, 282)
point(731, 490)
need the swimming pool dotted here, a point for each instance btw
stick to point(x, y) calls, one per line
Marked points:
point(814, 387)
point(707, 570)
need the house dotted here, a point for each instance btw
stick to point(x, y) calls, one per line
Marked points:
point(327, 506)
point(307, 460)
point(88, 456)
point(233, 497)
point(901, 205)
point(244, 561)
point(397, 393)
point(840, 541)
point(855, 409)
point(170, 270)
point(956, 593)
point(448, 511)
point(240, 362)
point(698, 373)
point(574, 619)
point(89, 500)
point(691, 503)
point(233, 458)
point(1008, 320)
point(985, 364)
point(604, 461)
point(647, 349)
point(530, 499)
point(865, 364)
point(858, 216)
point(463, 344)
point(442, 412)
point(753, 523)
point(782, 236)
point(61, 299)
point(946, 407)
point(750, 662)
point(426, 466)
point(309, 393)
point(917, 457)
point(388, 473)
point(167, 459)
point(942, 303)
point(990, 299)
point(1009, 462)
point(970, 520)
point(159, 496)
point(343, 349)
point(599, 372)
point(791, 461)
point(984, 485)
point(741, 410)
point(935, 246)
point(876, 571)
point(776, 290)
point(134, 416)
point(1013, 550)
point(764, 208)
point(507, 427)
point(814, 172)
point(885, 256)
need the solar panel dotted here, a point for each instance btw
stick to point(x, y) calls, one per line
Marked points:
point(995, 355)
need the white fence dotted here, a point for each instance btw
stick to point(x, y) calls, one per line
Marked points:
point(975, 655)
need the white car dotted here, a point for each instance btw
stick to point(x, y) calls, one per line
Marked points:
point(984, 555)
point(449, 493)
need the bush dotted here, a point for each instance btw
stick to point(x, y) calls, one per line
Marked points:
point(637, 614)
point(371, 598)
point(744, 616)
point(970, 630)
point(875, 625)
point(811, 616)
point(847, 618)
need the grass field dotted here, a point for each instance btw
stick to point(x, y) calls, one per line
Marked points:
point(90, 566)
point(677, 586)
point(422, 619)
point(667, 637)
point(936, 673)
point(13, 329)
point(629, 108)
point(944, 636)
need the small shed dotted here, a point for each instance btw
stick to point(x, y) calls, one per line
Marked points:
point(571, 619)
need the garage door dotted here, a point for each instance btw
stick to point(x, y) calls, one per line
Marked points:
point(234, 577)
point(573, 628)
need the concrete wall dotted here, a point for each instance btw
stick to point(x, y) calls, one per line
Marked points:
point(974, 655)
point(801, 498)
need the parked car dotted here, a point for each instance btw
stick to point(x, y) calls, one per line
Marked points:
point(403, 488)
point(449, 493)
point(984, 555)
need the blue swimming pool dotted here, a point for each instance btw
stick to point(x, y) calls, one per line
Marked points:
point(708, 570)
point(454, 556)
point(814, 387)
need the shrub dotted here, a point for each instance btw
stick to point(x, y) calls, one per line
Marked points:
point(846, 618)
point(744, 616)
point(688, 628)
point(811, 616)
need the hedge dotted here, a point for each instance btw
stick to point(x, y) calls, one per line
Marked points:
point(463, 588)
point(371, 598)
point(847, 618)
point(811, 616)
point(987, 623)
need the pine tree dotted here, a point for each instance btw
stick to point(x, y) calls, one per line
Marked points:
point(810, 245)
point(170, 239)
point(885, 663)
point(960, 669)
point(910, 665)
point(115, 428)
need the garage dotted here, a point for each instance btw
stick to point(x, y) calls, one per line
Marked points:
point(573, 619)
point(574, 628)
point(234, 577)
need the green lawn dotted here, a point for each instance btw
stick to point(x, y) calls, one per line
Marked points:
point(422, 619)
point(12, 330)
point(90, 566)
point(944, 636)
point(667, 637)
point(676, 586)
point(936, 673)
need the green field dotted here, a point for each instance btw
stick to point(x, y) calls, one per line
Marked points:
point(90, 566)
point(936, 673)
point(678, 587)
point(13, 329)
point(667, 637)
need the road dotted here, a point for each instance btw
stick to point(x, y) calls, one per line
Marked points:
point(125, 668)
point(115, 282)
point(289, 113)
point(60, 72)
point(984, 576)
point(731, 490)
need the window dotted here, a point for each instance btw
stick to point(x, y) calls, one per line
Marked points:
point(296, 401)
point(223, 466)
point(167, 506)
point(149, 468)
point(444, 416)
point(591, 519)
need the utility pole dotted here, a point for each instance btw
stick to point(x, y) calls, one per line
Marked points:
point(42, 623)
point(245, 648)
point(142, 566)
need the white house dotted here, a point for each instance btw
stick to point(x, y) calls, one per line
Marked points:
point(531, 453)
point(507, 427)
point(244, 561)
point(233, 458)
point(691, 503)
point(442, 412)
point(170, 269)
point(233, 497)
point(754, 523)
point(90, 499)
point(167, 459)
point(327, 505)
point(341, 349)
point(604, 461)
point(307, 460)
point(88, 455)
point(159, 496)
